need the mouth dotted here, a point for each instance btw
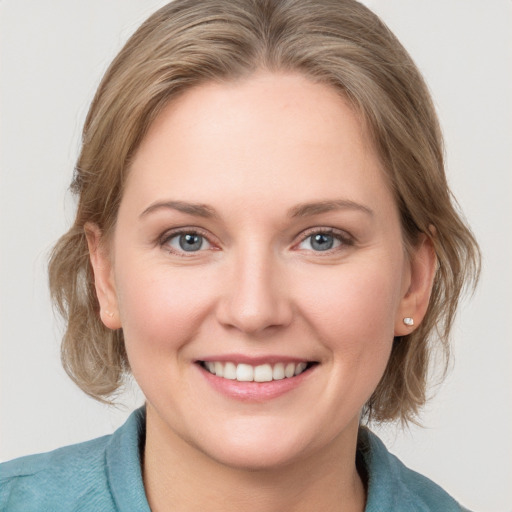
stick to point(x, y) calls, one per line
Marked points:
point(266, 372)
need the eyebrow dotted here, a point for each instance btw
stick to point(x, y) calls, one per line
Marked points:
point(199, 210)
point(309, 209)
point(301, 210)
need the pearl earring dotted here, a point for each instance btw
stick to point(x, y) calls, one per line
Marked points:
point(409, 321)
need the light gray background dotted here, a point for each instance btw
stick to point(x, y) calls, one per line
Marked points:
point(53, 55)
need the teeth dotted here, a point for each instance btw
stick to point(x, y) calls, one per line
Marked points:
point(244, 373)
point(261, 373)
point(299, 368)
point(289, 370)
point(278, 371)
point(219, 369)
point(229, 371)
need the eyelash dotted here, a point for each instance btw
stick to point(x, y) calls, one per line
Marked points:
point(169, 235)
point(342, 236)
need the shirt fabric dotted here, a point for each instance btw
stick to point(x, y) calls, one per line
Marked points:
point(105, 475)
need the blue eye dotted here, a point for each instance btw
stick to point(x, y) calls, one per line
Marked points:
point(322, 241)
point(188, 242)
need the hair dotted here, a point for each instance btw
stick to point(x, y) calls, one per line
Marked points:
point(340, 43)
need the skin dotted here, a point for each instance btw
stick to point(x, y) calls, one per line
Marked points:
point(256, 151)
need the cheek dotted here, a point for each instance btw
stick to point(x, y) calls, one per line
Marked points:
point(358, 297)
point(160, 308)
point(353, 312)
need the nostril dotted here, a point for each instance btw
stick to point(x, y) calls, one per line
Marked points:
point(254, 320)
point(253, 301)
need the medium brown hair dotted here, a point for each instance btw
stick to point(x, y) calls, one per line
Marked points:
point(336, 42)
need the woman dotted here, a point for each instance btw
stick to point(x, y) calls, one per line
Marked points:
point(265, 239)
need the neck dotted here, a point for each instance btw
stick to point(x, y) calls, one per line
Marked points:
point(181, 478)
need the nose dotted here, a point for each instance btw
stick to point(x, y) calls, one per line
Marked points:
point(255, 298)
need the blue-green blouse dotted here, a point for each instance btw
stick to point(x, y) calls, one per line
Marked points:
point(105, 475)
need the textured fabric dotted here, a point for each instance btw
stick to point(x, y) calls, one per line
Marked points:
point(102, 475)
point(105, 475)
point(394, 487)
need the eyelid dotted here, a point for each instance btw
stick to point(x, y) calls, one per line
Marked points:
point(345, 238)
point(193, 230)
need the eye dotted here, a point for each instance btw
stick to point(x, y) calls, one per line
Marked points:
point(187, 242)
point(321, 241)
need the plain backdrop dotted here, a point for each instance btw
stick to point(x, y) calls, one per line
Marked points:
point(53, 53)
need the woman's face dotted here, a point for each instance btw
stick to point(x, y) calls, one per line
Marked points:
point(257, 238)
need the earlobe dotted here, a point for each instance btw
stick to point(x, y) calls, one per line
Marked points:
point(103, 277)
point(414, 303)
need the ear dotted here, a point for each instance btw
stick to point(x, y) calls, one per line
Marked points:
point(103, 277)
point(418, 286)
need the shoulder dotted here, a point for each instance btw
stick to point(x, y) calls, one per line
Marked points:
point(394, 487)
point(61, 478)
point(88, 476)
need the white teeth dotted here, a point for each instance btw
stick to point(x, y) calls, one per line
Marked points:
point(289, 370)
point(278, 371)
point(219, 369)
point(261, 373)
point(229, 371)
point(300, 368)
point(244, 373)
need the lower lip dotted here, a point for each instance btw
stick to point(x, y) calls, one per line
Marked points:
point(254, 391)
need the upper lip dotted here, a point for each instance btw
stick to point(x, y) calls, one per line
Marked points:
point(254, 360)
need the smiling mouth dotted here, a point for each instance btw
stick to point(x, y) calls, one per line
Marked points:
point(242, 372)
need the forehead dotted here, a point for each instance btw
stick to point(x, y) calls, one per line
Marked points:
point(267, 136)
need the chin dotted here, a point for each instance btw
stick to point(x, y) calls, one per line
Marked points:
point(258, 445)
point(255, 457)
